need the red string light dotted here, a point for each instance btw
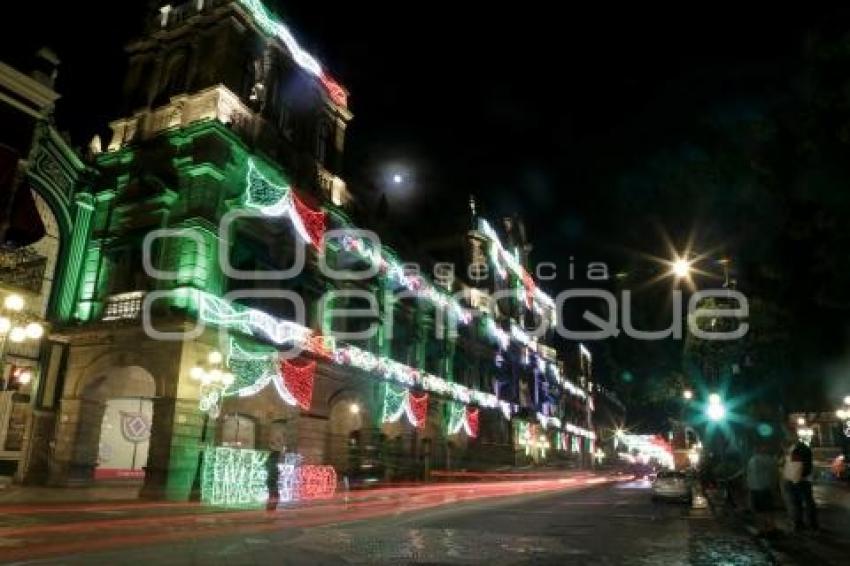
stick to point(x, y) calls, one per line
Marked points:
point(299, 381)
point(335, 91)
point(314, 220)
point(530, 286)
point(472, 421)
point(318, 346)
point(315, 482)
point(419, 408)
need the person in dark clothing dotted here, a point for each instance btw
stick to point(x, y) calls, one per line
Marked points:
point(801, 491)
point(272, 480)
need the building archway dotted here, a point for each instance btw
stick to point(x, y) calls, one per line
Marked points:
point(110, 421)
point(347, 430)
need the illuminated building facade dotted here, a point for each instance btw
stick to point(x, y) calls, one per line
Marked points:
point(217, 210)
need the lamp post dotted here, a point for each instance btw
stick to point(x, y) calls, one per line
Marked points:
point(844, 415)
point(715, 410)
point(16, 327)
point(213, 381)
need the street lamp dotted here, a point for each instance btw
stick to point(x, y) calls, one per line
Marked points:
point(213, 381)
point(715, 410)
point(681, 268)
point(16, 327)
point(688, 394)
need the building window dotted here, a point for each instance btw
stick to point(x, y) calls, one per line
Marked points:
point(323, 136)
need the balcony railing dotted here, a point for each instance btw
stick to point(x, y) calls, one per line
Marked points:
point(123, 306)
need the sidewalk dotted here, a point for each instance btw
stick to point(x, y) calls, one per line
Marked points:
point(829, 545)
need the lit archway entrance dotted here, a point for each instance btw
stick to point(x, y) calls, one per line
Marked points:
point(346, 434)
point(123, 399)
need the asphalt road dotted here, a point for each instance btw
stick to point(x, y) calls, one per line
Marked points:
point(531, 523)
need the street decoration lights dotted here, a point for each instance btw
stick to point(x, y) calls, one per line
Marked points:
point(681, 268)
point(16, 327)
point(213, 381)
point(844, 415)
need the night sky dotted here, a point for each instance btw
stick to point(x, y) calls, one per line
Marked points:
point(532, 109)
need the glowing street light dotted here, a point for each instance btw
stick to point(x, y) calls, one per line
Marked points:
point(715, 410)
point(688, 394)
point(14, 303)
point(17, 327)
point(681, 268)
point(397, 178)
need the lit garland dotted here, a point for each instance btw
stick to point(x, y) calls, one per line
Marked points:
point(399, 401)
point(531, 440)
point(503, 262)
point(272, 27)
point(546, 421)
point(571, 387)
point(577, 430)
point(405, 375)
point(233, 476)
point(462, 417)
point(255, 370)
point(278, 200)
point(394, 272)
point(217, 311)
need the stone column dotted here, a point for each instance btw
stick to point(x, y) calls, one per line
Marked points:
point(173, 456)
point(38, 449)
point(77, 442)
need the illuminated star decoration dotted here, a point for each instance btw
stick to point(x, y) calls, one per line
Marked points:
point(277, 201)
point(398, 402)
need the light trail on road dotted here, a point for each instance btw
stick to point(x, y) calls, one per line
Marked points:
point(88, 531)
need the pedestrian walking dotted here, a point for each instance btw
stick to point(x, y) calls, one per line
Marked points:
point(798, 475)
point(273, 480)
point(761, 482)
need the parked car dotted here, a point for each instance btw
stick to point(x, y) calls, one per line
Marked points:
point(672, 484)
